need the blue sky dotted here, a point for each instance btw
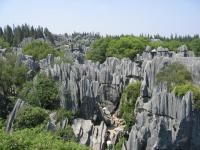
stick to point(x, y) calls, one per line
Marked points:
point(105, 16)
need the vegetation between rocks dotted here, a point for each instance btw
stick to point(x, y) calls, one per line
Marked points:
point(179, 80)
point(127, 105)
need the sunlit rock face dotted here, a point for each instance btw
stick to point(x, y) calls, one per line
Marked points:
point(85, 87)
point(164, 121)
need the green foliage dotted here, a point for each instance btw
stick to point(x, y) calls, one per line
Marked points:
point(64, 57)
point(67, 134)
point(4, 44)
point(43, 93)
point(39, 50)
point(30, 117)
point(194, 45)
point(180, 81)
point(98, 50)
point(181, 90)
point(8, 34)
point(128, 101)
point(174, 74)
point(2, 122)
point(120, 47)
point(12, 77)
point(63, 113)
point(119, 144)
point(35, 138)
point(170, 44)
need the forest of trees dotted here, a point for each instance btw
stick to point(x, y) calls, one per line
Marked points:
point(14, 35)
point(129, 45)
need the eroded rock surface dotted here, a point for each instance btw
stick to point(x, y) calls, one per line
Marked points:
point(89, 134)
point(164, 121)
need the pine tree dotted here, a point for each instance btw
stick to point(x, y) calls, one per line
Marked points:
point(8, 34)
point(39, 33)
point(33, 32)
point(17, 36)
point(1, 32)
point(48, 35)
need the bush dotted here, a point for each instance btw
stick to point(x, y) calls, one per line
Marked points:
point(119, 144)
point(3, 43)
point(128, 100)
point(12, 77)
point(35, 138)
point(170, 44)
point(194, 45)
point(63, 113)
point(39, 49)
point(181, 90)
point(67, 134)
point(43, 93)
point(179, 80)
point(30, 117)
point(120, 47)
point(174, 74)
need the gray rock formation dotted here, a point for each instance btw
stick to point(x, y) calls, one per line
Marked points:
point(54, 124)
point(88, 134)
point(28, 61)
point(164, 121)
point(85, 87)
point(18, 105)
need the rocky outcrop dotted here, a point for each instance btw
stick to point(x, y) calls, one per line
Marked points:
point(163, 120)
point(54, 124)
point(18, 105)
point(85, 87)
point(89, 134)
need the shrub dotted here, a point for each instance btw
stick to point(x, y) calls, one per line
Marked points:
point(128, 101)
point(39, 49)
point(35, 138)
point(43, 92)
point(180, 81)
point(12, 77)
point(170, 44)
point(67, 134)
point(30, 117)
point(119, 144)
point(3, 43)
point(194, 45)
point(63, 113)
point(174, 74)
point(120, 47)
point(181, 90)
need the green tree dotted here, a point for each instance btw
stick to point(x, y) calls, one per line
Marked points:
point(39, 32)
point(1, 32)
point(120, 47)
point(17, 36)
point(25, 31)
point(39, 49)
point(194, 45)
point(43, 93)
point(32, 32)
point(30, 117)
point(8, 34)
point(12, 77)
point(48, 35)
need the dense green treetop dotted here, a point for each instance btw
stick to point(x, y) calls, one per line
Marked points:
point(39, 49)
point(120, 47)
